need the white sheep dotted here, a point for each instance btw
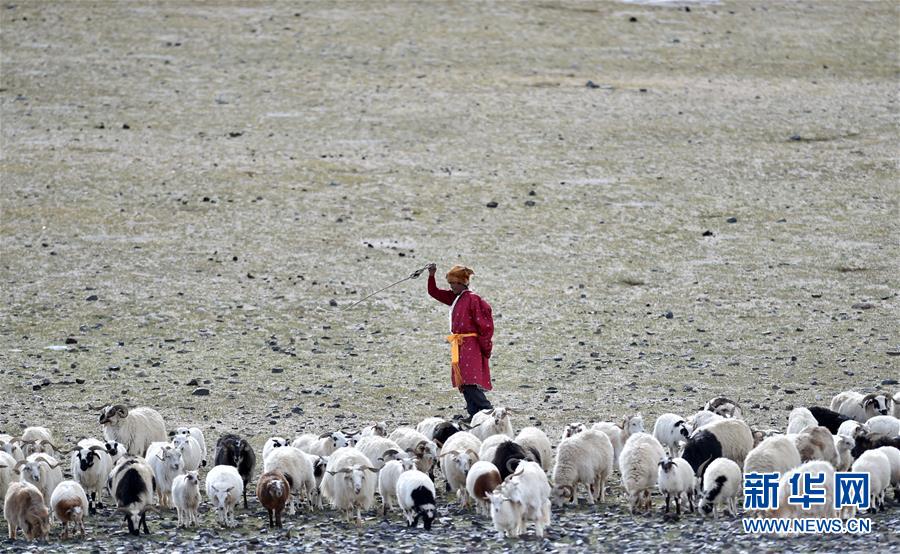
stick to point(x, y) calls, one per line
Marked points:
point(800, 419)
point(862, 407)
point(455, 466)
point(852, 428)
point(489, 446)
point(529, 487)
point(322, 445)
point(671, 430)
point(877, 464)
point(777, 454)
point(91, 464)
point(186, 497)
point(816, 443)
point(197, 435)
point(42, 471)
point(297, 468)
point(135, 428)
point(897, 405)
point(425, 450)
point(482, 479)
point(36, 440)
point(348, 483)
point(701, 419)
point(884, 425)
point(619, 434)
point(416, 497)
point(535, 440)
point(572, 429)
point(844, 445)
point(814, 469)
point(638, 463)
point(7, 474)
point(492, 422)
point(166, 462)
point(378, 428)
point(69, 503)
point(427, 425)
point(375, 446)
point(505, 514)
point(721, 485)
point(191, 453)
point(585, 458)
point(387, 480)
point(724, 407)
point(273, 443)
point(12, 446)
point(893, 456)
point(675, 479)
point(224, 486)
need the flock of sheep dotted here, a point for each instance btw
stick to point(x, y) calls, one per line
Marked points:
point(696, 460)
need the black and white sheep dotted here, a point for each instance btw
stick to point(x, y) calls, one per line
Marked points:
point(416, 497)
point(91, 464)
point(733, 435)
point(132, 486)
point(234, 451)
point(721, 484)
point(675, 479)
point(860, 406)
point(135, 428)
point(671, 430)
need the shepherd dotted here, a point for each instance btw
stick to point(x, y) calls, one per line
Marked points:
point(471, 334)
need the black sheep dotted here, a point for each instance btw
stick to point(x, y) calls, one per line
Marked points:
point(701, 448)
point(232, 450)
point(865, 441)
point(443, 431)
point(828, 418)
point(508, 455)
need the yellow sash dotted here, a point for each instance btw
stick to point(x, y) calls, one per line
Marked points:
point(455, 341)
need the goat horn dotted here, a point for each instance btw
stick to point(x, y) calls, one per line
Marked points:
point(18, 465)
point(475, 454)
point(511, 460)
point(372, 469)
point(160, 458)
point(448, 453)
point(324, 435)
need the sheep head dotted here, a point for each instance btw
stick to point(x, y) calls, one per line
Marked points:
point(877, 402)
point(562, 494)
point(112, 414)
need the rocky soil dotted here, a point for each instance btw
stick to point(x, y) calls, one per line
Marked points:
point(663, 202)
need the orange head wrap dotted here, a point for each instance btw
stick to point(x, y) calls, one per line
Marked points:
point(459, 274)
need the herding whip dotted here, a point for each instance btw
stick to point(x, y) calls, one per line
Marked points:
point(412, 275)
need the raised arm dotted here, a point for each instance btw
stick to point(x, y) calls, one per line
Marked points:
point(441, 295)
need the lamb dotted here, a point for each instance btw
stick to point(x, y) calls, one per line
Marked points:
point(322, 445)
point(192, 455)
point(223, 488)
point(91, 465)
point(884, 425)
point(788, 510)
point(36, 440)
point(816, 443)
point(416, 497)
point(492, 422)
point(273, 492)
point(186, 497)
point(735, 437)
point(721, 484)
point(585, 458)
point(116, 451)
point(374, 447)
point(505, 514)
point(671, 430)
point(7, 475)
point(702, 419)
point(424, 448)
point(273, 443)
point(455, 465)
point(132, 485)
point(234, 451)
point(800, 419)
point(536, 441)
point(828, 418)
point(387, 480)
point(572, 429)
point(379, 428)
point(877, 464)
point(862, 407)
point(724, 407)
point(69, 503)
point(619, 434)
point(529, 487)
point(675, 479)
point(489, 446)
point(638, 464)
point(844, 446)
point(23, 506)
point(893, 456)
point(197, 435)
point(347, 483)
point(136, 428)
point(167, 464)
point(482, 479)
point(12, 446)
point(298, 470)
point(508, 455)
point(774, 454)
point(42, 471)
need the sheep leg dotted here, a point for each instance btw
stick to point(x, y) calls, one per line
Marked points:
point(81, 528)
point(278, 519)
point(143, 522)
point(667, 502)
point(131, 528)
point(677, 504)
point(245, 496)
point(271, 519)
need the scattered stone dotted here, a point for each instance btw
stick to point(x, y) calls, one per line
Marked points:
point(669, 314)
point(731, 220)
point(592, 84)
point(863, 306)
point(92, 298)
point(277, 370)
point(491, 204)
point(79, 380)
point(71, 340)
point(889, 382)
point(332, 302)
point(632, 19)
point(200, 392)
point(708, 233)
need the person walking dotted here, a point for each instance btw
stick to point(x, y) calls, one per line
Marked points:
point(471, 334)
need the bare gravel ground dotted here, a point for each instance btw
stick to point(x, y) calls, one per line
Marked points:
point(191, 193)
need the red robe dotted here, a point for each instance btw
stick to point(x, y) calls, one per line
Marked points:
point(471, 314)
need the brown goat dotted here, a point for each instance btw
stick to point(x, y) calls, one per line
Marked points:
point(274, 492)
point(24, 507)
point(484, 485)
